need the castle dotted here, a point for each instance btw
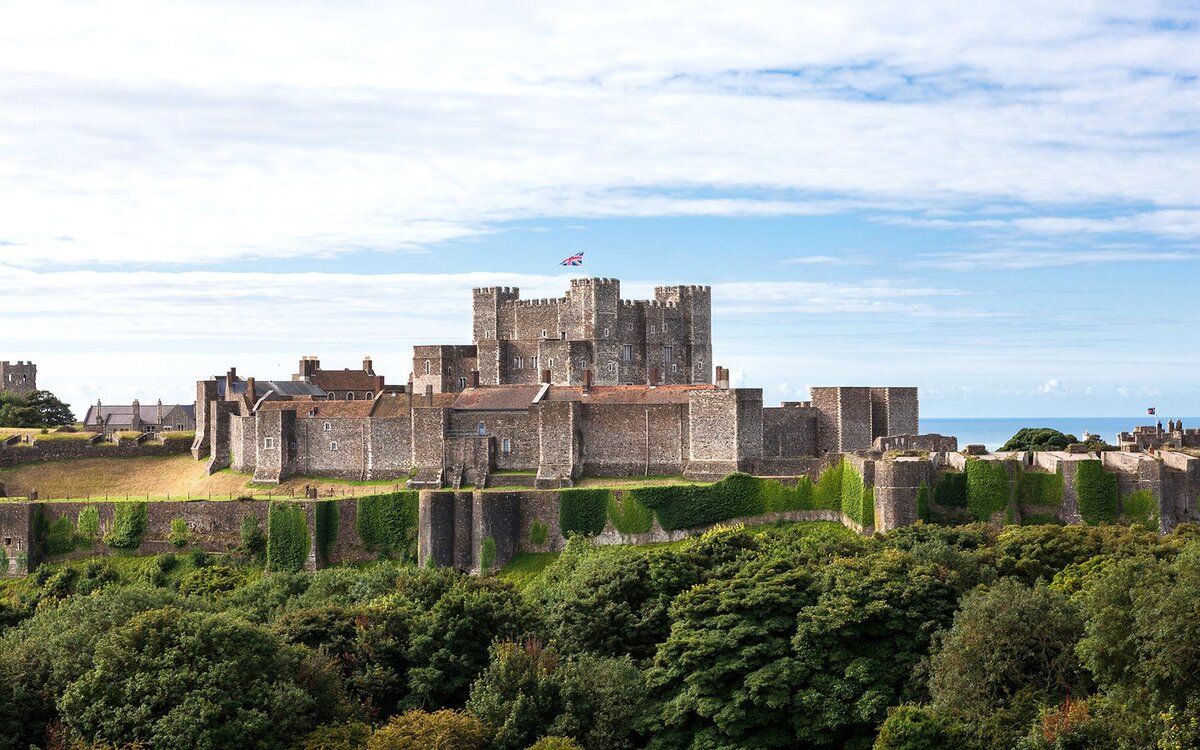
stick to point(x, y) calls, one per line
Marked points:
point(587, 384)
point(19, 378)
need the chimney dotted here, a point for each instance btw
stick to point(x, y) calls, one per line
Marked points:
point(723, 378)
point(587, 380)
point(368, 367)
point(545, 376)
point(135, 419)
point(160, 412)
point(250, 391)
point(653, 377)
point(99, 416)
point(429, 395)
point(474, 381)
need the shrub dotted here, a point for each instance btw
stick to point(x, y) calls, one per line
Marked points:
point(538, 532)
point(198, 558)
point(422, 730)
point(351, 735)
point(210, 581)
point(254, 544)
point(129, 524)
point(923, 503)
point(287, 537)
point(556, 743)
point(60, 536)
point(326, 517)
point(628, 516)
point(582, 511)
point(1039, 439)
point(387, 523)
point(988, 488)
point(1097, 492)
point(909, 727)
point(950, 491)
point(179, 532)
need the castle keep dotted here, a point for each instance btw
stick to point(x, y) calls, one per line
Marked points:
point(19, 378)
point(586, 384)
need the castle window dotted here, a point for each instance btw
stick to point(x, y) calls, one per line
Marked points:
point(563, 335)
point(518, 363)
point(333, 445)
point(505, 446)
point(533, 362)
point(7, 541)
point(349, 395)
point(627, 352)
point(328, 427)
point(482, 428)
point(544, 332)
point(551, 365)
point(269, 443)
point(427, 367)
point(631, 326)
point(668, 354)
point(605, 333)
point(653, 330)
point(462, 384)
point(674, 368)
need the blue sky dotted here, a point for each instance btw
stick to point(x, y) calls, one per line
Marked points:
point(998, 205)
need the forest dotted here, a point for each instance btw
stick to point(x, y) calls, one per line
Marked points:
point(784, 636)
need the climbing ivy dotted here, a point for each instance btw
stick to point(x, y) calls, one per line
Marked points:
point(828, 493)
point(1036, 489)
point(128, 526)
point(254, 544)
point(179, 532)
point(778, 497)
point(60, 536)
point(326, 517)
point(1097, 492)
point(87, 523)
point(629, 516)
point(538, 532)
point(1141, 508)
point(487, 554)
point(582, 511)
point(387, 523)
point(287, 537)
point(988, 488)
point(923, 503)
point(858, 500)
point(950, 491)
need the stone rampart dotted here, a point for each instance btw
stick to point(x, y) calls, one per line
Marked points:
point(60, 450)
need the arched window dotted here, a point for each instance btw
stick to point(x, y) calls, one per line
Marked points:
point(328, 427)
point(427, 367)
point(349, 395)
point(366, 397)
point(333, 445)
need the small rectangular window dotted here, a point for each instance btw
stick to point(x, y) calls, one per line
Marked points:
point(627, 352)
point(544, 332)
point(505, 446)
point(605, 333)
point(653, 330)
point(668, 354)
point(333, 445)
point(269, 443)
point(7, 541)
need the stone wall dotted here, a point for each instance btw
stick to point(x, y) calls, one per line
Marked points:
point(59, 450)
point(634, 439)
point(789, 430)
point(931, 443)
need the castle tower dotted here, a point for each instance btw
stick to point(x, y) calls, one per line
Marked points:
point(694, 337)
point(19, 378)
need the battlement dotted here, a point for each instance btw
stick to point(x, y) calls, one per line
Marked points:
point(594, 281)
point(683, 288)
point(543, 302)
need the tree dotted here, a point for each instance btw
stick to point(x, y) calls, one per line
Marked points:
point(518, 695)
point(910, 727)
point(439, 730)
point(36, 409)
point(1039, 439)
point(176, 679)
point(603, 699)
point(556, 743)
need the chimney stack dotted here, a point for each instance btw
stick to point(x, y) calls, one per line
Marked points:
point(368, 367)
point(429, 395)
point(135, 419)
point(250, 391)
point(723, 378)
point(587, 380)
point(474, 379)
point(545, 377)
point(99, 416)
point(231, 377)
point(160, 412)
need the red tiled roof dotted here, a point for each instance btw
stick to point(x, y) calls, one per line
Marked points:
point(625, 394)
point(383, 406)
point(497, 398)
point(347, 380)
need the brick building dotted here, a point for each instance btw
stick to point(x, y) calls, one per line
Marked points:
point(19, 377)
point(584, 385)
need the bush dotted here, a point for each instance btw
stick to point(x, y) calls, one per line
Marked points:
point(950, 491)
point(582, 511)
point(858, 500)
point(179, 532)
point(60, 536)
point(129, 524)
point(88, 521)
point(909, 727)
point(1140, 507)
point(210, 581)
point(387, 523)
point(287, 537)
point(487, 554)
point(422, 730)
point(1097, 492)
point(254, 544)
point(198, 558)
point(556, 743)
point(352, 735)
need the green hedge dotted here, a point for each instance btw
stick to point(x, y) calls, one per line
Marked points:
point(778, 497)
point(179, 532)
point(1140, 507)
point(1034, 488)
point(582, 511)
point(387, 523)
point(950, 491)
point(988, 488)
point(692, 506)
point(858, 500)
point(629, 516)
point(1097, 491)
point(828, 493)
point(129, 524)
point(326, 517)
point(287, 537)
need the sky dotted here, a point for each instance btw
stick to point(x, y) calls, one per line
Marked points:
point(998, 203)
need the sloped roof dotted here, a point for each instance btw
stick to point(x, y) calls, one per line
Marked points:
point(288, 388)
point(121, 415)
point(497, 398)
point(347, 380)
point(625, 394)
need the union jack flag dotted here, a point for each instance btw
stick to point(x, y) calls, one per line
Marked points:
point(1151, 411)
point(574, 260)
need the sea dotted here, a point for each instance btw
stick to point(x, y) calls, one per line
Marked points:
point(995, 431)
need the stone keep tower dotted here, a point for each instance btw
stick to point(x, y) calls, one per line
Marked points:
point(19, 378)
point(694, 336)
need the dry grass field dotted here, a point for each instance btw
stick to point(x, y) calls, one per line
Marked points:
point(159, 477)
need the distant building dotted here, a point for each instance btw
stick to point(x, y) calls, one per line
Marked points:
point(19, 378)
point(111, 419)
point(341, 385)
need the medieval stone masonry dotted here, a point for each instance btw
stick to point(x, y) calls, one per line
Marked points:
point(18, 377)
point(552, 390)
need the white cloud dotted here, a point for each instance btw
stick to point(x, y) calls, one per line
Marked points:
point(1017, 258)
point(1051, 387)
point(185, 132)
